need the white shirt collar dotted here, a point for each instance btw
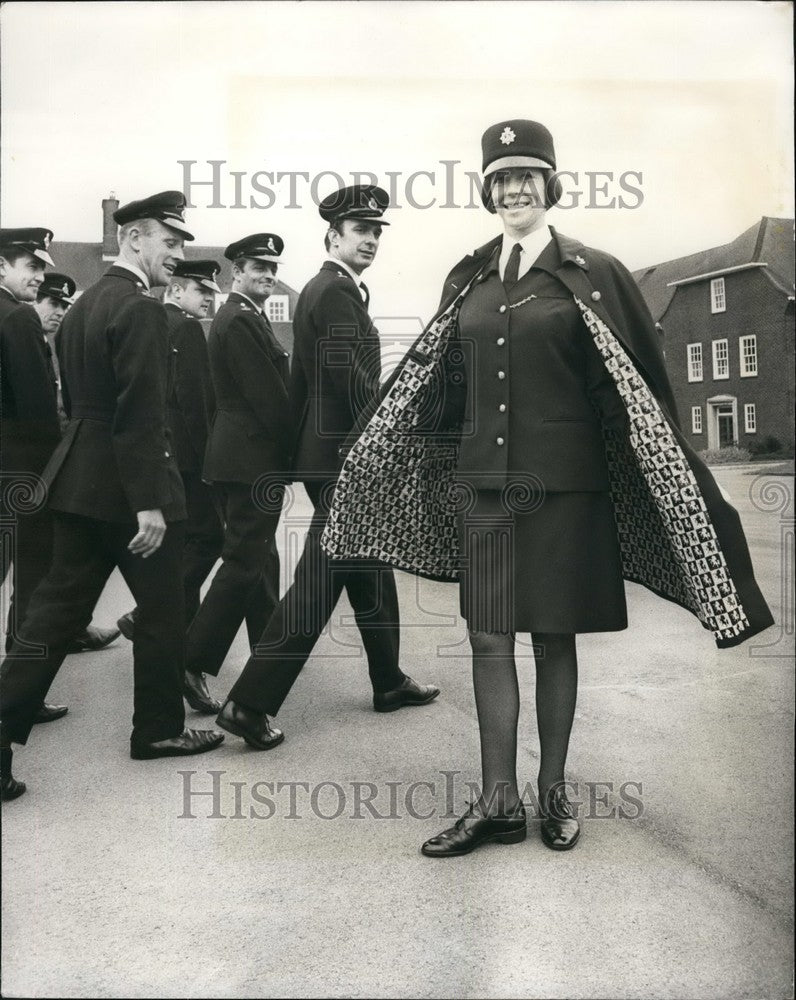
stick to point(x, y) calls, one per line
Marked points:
point(532, 246)
point(136, 270)
point(258, 309)
point(341, 263)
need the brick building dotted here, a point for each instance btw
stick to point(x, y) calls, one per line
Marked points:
point(87, 262)
point(726, 316)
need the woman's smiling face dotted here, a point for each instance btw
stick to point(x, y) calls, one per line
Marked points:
point(518, 195)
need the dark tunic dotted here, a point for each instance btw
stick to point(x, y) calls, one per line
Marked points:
point(539, 537)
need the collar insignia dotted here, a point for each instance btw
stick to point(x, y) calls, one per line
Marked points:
point(579, 261)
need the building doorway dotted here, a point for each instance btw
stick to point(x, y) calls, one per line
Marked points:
point(722, 422)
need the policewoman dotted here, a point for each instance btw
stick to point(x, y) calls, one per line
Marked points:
point(549, 467)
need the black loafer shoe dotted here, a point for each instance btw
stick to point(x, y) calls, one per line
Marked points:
point(194, 690)
point(560, 828)
point(474, 829)
point(10, 788)
point(126, 625)
point(254, 728)
point(93, 639)
point(49, 713)
point(189, 741)
point(409, 693)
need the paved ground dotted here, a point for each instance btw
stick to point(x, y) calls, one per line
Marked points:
point(110, 889)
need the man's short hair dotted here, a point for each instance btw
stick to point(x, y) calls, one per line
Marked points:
point(337, 226)
point(12, 254)
point(145, 226)
point(178, 279)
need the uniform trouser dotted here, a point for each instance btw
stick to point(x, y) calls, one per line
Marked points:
point(304, 612)
point(204, 538)
point(32, 550)
point(246, 585)
point(85, 553)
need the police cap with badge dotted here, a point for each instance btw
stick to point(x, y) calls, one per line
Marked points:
point(519, 143)
point(34, 241)
point(365, 202)
point(202, 271)
point(258, 246)
point(56, 286)
point(167, 207)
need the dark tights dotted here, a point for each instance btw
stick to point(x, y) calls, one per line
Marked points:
point(497, 700)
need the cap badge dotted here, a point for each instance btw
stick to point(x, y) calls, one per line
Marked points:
point(270, 245)
point(65, 289)
point(507, 136)
point(46, 241)
point(373, 205)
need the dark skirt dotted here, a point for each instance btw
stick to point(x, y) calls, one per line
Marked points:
point(555, 568)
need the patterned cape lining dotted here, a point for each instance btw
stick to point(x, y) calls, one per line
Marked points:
point(396, 498)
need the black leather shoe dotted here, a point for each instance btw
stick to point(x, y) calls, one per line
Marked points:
point(189, 741)
point(253, 727)
point(126, 625)
point(194, 690)
point(93, 639)
point(10, 788)
point(49, 713)
point(474, 829)
point(409, 693)
point(560, 828)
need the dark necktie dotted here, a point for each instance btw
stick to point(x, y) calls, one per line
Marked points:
point(512, 273)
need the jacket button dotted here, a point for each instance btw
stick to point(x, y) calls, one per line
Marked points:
point(595, 295)
point(167, 454)
point(502, 309)
point(502, 408)
point(499, 441)
point(501, 375)
point(501, 341)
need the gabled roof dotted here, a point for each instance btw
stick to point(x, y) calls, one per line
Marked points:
point(769, 242)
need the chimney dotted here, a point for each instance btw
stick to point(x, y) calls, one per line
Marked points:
point(110, 244)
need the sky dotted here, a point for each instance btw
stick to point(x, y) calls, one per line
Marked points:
point(691, 102)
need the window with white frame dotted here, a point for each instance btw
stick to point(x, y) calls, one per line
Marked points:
point(747, 350)
point(718, 302)
point(721, 359)
point(750, 418)
point(278, 307)
point(694, 362)
point(696, 419)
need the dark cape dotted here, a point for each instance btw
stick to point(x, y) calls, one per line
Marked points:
point(397, 496)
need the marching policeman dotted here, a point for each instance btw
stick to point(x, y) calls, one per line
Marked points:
point(251, 437)
point(335, 372)
point(191, 405)
point(30, 421)
point(116, 494)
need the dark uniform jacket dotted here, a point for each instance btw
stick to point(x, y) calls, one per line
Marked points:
point(335, 370)
point(538, 391)
point(116, 456)
point(191, 401)
point(28, 395)
point(396, 499)
point(252, 433)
